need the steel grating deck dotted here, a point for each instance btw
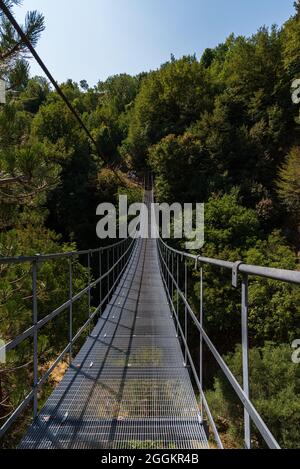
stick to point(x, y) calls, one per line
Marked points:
point(128, 387)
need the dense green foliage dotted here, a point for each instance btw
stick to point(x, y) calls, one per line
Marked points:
point(275, 392)
point(232, 233)
point(289, 183)
point(221, 130)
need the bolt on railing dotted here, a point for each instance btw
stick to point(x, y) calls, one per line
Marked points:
point(168, 257)
point(115, 267)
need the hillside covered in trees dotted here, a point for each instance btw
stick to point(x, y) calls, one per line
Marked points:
point(223, 130)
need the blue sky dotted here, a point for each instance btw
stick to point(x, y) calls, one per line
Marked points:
point(98, 38)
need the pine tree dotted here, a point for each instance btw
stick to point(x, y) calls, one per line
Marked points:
point(14, 70)
point(13, 51)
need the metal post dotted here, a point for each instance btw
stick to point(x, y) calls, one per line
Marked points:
point(185, 312)
point(201, 340)
point(177, 297)
point(121, 254)
point(89, 293)
point(71, 307)
point(124, 254)
point(168, 270)
point(100, 281)
point(118, 257)
point(172, 297)
point(245, 345)
point(113, 253)
point(108, 286)
point(166, 266)
point(163, 265)
point(35, 337)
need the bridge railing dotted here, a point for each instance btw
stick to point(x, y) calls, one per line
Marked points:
point(112, 262)
point(172, 262)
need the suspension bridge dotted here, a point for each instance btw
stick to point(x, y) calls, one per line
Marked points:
point(133, 383)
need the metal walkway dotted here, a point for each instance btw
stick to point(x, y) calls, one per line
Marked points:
point(128, 387)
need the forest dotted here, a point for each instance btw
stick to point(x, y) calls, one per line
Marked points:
point(222, 129)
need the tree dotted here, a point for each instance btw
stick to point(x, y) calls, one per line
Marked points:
point(84, 85)
point(16, 306)
point(168, 102)
point(176, 160)
point(230, 231)
point(291, 37)
point(274, 307)
point(35, 94)
point(118, 91)
point(12, 47)
point(274, 391)
point(29, 166)
point(15, 70)
point(110, 118)
point(208, 57)
point(289, 182)
point(233, 232)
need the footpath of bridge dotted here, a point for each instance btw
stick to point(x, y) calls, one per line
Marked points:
point(128, 387)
